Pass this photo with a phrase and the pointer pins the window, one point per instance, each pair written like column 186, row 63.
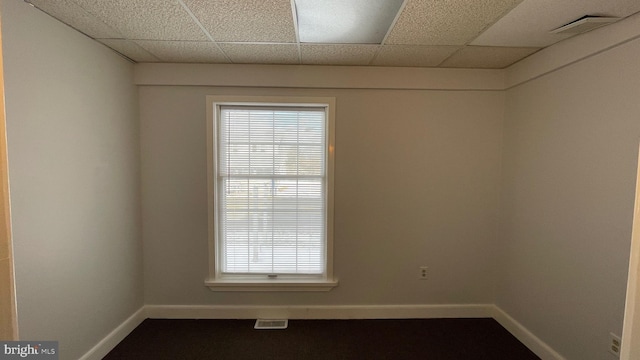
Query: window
column 270, row 193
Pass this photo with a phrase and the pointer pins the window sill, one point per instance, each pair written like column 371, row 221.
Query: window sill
column 235, row 285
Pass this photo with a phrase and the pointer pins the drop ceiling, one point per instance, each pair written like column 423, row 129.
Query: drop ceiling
column 418, row 33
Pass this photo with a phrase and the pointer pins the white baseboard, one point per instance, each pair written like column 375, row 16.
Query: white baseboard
column 110, row 341
column 534, row 343
column 319, row 312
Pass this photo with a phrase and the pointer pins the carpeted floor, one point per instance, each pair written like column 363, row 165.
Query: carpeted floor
column 429, row 339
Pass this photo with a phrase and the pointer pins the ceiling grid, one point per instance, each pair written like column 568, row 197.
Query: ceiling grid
column 483, row 34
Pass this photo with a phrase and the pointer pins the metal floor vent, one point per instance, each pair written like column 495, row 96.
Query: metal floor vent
column 262, row 324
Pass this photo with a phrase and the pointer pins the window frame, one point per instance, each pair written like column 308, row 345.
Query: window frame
column 216, row 281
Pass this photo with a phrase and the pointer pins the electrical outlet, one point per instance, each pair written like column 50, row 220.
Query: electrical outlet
column 424, row 272
column 614, row 344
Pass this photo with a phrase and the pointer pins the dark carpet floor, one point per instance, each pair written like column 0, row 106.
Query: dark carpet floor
column 430, row 339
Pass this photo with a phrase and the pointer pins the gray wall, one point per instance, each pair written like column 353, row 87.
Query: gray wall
column 416, row 183
column 73, row 144
column 570, row 156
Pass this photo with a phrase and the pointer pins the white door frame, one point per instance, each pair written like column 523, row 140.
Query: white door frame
column 9, row 322
column 631, row 329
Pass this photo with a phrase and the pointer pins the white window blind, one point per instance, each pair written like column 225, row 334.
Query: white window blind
column 271, row 190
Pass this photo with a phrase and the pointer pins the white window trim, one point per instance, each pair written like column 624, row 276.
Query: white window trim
column 214, row 281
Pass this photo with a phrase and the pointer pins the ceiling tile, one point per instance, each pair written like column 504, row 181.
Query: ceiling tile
column 129, row 49
column 529, row 23
column 146, row 19
column 345, row 22
column 331, row 54
column 410, row 55
column 446, row 22
column 73, row 15
column 487, row 57
column 262, row 31
column 261, row 53
column 247, row 20
column 185, row 51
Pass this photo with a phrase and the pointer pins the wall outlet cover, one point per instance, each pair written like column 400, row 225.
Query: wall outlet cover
column 614, row 344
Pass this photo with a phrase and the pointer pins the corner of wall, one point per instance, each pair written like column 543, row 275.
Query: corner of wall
column 572, row 50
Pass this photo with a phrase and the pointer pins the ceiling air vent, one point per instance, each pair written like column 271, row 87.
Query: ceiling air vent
column 584, row 24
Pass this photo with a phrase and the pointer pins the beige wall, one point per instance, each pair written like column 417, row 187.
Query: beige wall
column 74, row 170
column 570, row 154
column 416, row 183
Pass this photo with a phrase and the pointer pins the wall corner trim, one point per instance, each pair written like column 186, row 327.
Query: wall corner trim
column 534, row 343
column 102, row 348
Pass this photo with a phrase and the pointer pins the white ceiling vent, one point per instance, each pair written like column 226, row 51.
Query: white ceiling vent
column 584, row 24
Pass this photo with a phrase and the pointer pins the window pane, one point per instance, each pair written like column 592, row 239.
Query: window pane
column 272, row 203
column 286, row 159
